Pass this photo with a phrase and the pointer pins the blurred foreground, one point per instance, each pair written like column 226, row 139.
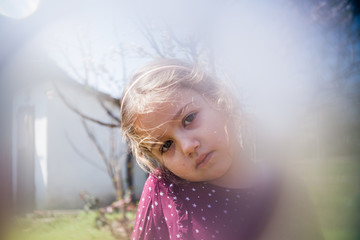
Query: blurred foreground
column 334, row 191
column 279, row 67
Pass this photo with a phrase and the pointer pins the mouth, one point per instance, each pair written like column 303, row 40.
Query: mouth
column 203, row 159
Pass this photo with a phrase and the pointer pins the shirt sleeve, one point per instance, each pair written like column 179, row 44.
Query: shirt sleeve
column 149, row 222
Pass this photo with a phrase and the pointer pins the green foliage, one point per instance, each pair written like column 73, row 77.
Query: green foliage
column 69, row 227
column 336, row 234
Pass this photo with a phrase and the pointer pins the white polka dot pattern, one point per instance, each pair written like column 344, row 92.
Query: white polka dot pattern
column 198, row 211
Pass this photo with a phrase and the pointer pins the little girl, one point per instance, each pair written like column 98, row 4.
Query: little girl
column 186, row 129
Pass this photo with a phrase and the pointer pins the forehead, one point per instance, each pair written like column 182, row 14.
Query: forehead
column 160, row 114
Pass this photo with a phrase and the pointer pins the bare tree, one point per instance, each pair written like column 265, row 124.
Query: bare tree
column 163, row 43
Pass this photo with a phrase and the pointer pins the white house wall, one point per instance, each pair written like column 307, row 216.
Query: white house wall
column 69, row 173
column 61, row 174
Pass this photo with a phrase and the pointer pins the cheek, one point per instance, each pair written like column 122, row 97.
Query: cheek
column 221, row 133
column 184, row 167
column 225, row 164
column 175, row 164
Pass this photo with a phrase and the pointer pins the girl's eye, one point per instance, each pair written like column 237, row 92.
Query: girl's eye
column 188, row 119
column 165, row 147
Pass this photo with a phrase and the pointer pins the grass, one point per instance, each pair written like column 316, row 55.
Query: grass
column 70, row 227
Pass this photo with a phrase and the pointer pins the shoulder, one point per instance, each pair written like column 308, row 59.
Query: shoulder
column 156, row 186
column 168, row 199
column 154, row 189
column 149, row 222
column 158, row 195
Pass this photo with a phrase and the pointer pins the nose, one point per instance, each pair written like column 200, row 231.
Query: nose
column 189, row 145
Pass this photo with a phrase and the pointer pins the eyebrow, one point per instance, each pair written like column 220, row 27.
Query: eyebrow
column 176, row 116
column 180, row 111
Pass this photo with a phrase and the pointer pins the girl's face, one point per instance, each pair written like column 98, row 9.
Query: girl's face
column 191, row 138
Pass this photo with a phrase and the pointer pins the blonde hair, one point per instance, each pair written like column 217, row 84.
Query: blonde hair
column 157, row 82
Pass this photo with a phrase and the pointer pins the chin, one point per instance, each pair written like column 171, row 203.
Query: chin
column 220, row 172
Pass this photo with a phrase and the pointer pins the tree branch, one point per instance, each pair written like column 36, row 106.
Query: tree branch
column 77, row 151
column 150, row 38
column 108, row 111
column 107, row 162
column 81, row 114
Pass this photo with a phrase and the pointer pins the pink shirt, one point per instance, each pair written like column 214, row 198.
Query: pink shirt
column 200, row 210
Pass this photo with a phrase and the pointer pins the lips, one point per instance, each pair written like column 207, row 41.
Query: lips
column 203, row 159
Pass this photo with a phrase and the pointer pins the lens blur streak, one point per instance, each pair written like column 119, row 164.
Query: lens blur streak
column 292, row 64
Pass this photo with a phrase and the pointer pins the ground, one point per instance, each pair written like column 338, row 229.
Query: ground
column 73, row 226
